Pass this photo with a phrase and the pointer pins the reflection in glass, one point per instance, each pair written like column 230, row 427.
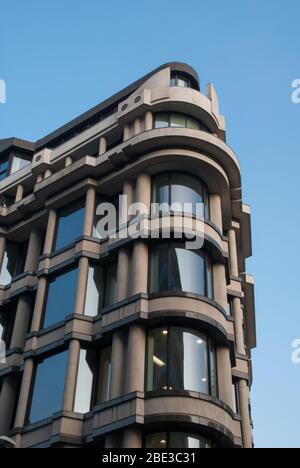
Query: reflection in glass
column 110, row 285
column 13, row 261
column 60, row 298
column 104, row 379
column 18, row 163
column 173, row 268
column 176, row 440
column 48, row 387
column 84, row 382
column 181, row 359
column 173, row 119
column 94, row 291
column 70, row 224
column 7, row 319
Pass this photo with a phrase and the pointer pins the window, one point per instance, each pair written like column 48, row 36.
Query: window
column 60, row 298
column 7, row 319
column 183, row 81
column 19, row 161
column 84, row 382
column 235, row 397
column 4, row 168
column 107, row 222
column 70, row 224
column 168, row 119
column 181, row 359
column 7, row 200
column 181, row 192
column 173, row 268
column 162, row 440
column 101, row 288
column 13, row 262
column 48, row 388
column 103, row 385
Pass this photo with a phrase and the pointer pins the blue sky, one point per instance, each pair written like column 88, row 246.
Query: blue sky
column 60, row 58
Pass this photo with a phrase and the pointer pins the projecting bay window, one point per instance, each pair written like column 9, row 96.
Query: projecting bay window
column 169, row 119
column 173, row 268
column 174, row 440
column 181, row 192
column 179, row 358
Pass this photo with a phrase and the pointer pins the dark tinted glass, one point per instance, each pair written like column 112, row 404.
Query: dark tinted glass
column 182, row 440
column 48, row 387
column 104, row 377
column 61, row 298
column 110, row 285
column 157, row 359
column 187, row 270
column 70, row 224
column 159, row 268
column 13, row 261
column 7, row 319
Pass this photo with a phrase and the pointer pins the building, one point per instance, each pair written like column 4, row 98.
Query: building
column 115, row 341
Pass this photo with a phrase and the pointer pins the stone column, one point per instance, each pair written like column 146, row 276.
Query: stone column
column 39, row 178
column 224, row 375
column 68, row 161
column 20, row 193
column 83, row 273
column 132, row 438
column 238, row 319
column 39, row 304
column 136, row 359
column 8, row 397
column 137, row 126
column 128, row 192
column 28, row 374
column 220, row 287
column 33, row 251
column 71, row 377
column 139, row 274
column 50, row 233
column 89, row 212
column 233, row 253
column 126, row 132
column 102, row 146
column 148, row 121
column 216, row 210
column 122, row 274
column 244, row 409
column 22, row 321
column 143, row 191
column 118, row 364
column 48, row 173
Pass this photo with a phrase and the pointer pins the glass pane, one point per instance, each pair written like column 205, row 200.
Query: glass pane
column 61, row 298
column 4, row 166
column 182, row 82
column 157, row 359
column 213, row 368
column 178, row 120
column 159, row 268
column 187, row 270
column 7, row 319
column 111, row 285
column 192, row 123
column 104, row 381
column 187, row 190
column 161, row 120
column 94, row 291
column 70, row 224
column 158, row 440
column 48, row 387
column 181, row 440
column 84, row 382
column 209, row 279
column 18, row 163
column 13, row 262
column 188, row 360
column 235, row 398
column 161, row 192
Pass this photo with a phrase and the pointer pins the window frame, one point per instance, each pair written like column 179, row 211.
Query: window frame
column 202, row 126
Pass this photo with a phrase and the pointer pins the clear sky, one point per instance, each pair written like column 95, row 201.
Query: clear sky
column 59, row 58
